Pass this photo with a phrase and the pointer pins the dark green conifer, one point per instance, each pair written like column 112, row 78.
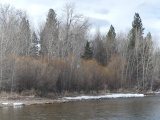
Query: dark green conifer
column 111, row 35
column 88, row 53
column 137, row 30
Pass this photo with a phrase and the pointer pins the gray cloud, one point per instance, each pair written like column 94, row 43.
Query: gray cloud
column 99, row 22
column 102, row 11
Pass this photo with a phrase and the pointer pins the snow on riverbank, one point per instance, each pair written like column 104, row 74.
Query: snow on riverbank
column 12, row 104
column 26, row 102
column 18, row 104
column 108, row 96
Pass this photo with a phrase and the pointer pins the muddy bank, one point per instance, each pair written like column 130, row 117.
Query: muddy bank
column 21, row 101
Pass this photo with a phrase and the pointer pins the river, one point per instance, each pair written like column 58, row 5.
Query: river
column 145, row 108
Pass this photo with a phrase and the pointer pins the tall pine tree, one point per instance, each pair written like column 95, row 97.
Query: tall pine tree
column 136, row 31
column 111, row 42
column 136, row 53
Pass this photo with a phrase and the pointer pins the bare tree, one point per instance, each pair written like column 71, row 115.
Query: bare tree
column 73, row 32
column 9, row 24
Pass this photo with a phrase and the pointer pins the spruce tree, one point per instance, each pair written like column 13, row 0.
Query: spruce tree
column 101, row 54
column 51, row 18
column 111, row 35
column 35, row 48
column 88, row 53
column 111, row 42
column 99, row 49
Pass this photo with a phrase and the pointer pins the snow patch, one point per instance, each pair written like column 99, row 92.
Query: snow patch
column 5, row 104
column 108, row 96
column 158, row 92
column 18, row 104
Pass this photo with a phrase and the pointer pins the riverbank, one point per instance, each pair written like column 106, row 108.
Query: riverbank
column 19, row 100
column 29, row 100
column 32, row 100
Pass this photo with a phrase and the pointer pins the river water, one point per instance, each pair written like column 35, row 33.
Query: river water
column 146, row 108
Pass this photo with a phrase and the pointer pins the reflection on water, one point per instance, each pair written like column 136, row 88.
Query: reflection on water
column 147, row 108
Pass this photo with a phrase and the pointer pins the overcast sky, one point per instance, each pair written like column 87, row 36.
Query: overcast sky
column 101, row 13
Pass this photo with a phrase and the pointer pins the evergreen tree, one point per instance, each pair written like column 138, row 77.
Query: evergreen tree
column 136, row 31
column 49, row 35
column 111, row 35
column 34, row 38
column 24, row 37
column 111, row 42
column 137, row 23
column 101, row 54
column 88, row 53
column 35, row 46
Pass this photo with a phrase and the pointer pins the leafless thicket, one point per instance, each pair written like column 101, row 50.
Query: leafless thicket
column 117, row 61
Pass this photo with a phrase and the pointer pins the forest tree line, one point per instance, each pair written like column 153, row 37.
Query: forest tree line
column 62, row 56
